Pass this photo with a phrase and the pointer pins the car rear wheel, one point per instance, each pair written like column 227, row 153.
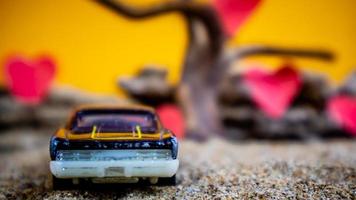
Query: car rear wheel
column 167, row 181
column 61, row 184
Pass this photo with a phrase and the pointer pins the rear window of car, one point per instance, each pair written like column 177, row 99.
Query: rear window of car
column 109, row 121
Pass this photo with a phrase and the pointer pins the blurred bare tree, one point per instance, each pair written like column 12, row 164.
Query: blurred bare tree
column 207, row 59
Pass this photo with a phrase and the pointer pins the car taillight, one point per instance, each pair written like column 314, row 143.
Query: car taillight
column 113, row 155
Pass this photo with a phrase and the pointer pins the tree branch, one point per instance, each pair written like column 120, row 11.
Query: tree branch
column 237, row 53
column 240, row 52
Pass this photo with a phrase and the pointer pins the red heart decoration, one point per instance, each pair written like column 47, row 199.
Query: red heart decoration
column 273, row 92
column 342, row 109
column 172, row 118
column 233, row 13
column 29, row 80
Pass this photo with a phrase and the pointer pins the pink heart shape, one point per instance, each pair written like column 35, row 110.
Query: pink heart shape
column 273, row 92
column 342, row 109
column 233, row 13
column 29, row 80
column 172, row 119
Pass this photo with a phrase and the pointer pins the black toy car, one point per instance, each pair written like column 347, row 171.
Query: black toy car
column 105, row 144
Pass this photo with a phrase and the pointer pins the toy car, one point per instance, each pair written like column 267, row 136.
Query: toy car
column 104, row 144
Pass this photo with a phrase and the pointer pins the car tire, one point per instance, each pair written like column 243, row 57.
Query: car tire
column 61, row 184
column 167, row 181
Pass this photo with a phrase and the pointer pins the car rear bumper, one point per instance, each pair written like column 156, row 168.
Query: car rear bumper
column 91, row 169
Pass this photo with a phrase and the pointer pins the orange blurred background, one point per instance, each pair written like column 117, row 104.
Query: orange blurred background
column 93, row 46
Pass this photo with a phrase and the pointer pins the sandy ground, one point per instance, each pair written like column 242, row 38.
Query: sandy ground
column 215, row 169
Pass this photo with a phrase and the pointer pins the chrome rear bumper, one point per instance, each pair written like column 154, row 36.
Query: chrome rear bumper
column 92, row 169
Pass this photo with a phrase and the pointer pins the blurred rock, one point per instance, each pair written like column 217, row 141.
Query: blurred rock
column 12, row 113
column 297, row 123
column 53, row 112
column 315, row 91
column 233, row 91
column 68, row 96
column 305, row 120
column 150, row 86
column 349, row 87
column 238, row 121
